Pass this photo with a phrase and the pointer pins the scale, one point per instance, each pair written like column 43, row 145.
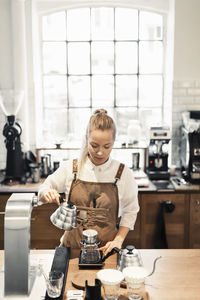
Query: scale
column 91, row 260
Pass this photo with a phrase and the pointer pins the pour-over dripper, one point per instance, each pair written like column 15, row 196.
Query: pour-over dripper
column 11, row 101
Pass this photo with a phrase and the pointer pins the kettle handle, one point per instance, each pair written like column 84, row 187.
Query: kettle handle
column 61, row 200
column 71, row 204
column 114, row 250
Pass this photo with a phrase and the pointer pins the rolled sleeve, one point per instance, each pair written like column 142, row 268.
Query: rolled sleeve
column 56, row 181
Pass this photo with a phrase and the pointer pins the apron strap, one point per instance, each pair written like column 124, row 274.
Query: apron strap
column 75, row 168
column 119, row 173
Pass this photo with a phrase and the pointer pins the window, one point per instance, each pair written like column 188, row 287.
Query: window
column 101, row 57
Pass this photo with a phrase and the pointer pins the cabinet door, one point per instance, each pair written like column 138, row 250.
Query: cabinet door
column 133, row 237
column 44, row 235
column 176, row 222
column 195, row 220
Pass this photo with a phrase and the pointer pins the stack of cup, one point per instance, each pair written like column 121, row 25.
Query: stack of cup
column 110, row 279
column 135, row 279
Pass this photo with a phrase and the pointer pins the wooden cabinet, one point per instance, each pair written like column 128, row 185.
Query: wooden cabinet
column 182, row 225
column 44, row 235
column 176, row 222
column 134, row 236
column 194, row 228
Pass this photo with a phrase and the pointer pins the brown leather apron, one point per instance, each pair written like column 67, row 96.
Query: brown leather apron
column 97, row 208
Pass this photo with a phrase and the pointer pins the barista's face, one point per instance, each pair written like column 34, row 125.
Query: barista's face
column 100, row 143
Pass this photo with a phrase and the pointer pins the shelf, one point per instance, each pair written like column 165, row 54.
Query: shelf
column 75, row 147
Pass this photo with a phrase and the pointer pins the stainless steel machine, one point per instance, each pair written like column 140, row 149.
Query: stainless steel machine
column 18, row 278
column 158, row 153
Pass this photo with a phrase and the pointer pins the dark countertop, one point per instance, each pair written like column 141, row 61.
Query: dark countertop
column 29, row 187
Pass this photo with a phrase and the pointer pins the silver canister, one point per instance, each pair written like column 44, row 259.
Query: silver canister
column 35, row 172
column 65, row 216
column 135, row 160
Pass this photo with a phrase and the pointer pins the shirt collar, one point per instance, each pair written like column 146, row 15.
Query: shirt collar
column 102, row 167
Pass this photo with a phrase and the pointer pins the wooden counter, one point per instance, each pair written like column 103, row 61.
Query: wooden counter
column 176, row 277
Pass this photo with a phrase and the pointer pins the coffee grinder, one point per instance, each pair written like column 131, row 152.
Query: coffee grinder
column 14, row 163
column 158, row 153
column 10, row 102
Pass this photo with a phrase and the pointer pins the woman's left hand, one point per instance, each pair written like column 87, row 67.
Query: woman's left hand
column 109, row 246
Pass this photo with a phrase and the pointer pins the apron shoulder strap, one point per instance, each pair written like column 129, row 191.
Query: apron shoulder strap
column 75, row 168
column 119, row 173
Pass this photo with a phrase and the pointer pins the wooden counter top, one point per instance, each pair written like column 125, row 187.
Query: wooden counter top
column 176, row 277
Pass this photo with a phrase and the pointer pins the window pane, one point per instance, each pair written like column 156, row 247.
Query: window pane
column 151, row 57
column 122, row 117
column 79, row 91
column 102, row 21
column 55, row 91
column 103, row 90
column 55, row 125
column 126, row 57
column 78, row 58
column 151, row 117
column 78, row 24
column 78, row 121
column 54, row 27
column 126, row 90
column 102, row 57
column 126, row 24
column 54, row 57
column 151, row 26
column 150, row 91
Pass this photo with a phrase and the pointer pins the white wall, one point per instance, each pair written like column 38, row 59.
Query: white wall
column 187, row 41
column 6, row 80
column 186, row 91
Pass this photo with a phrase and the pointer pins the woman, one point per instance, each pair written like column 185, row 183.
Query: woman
column 101, row 188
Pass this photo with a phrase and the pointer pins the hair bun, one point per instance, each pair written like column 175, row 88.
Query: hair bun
column 100, row 111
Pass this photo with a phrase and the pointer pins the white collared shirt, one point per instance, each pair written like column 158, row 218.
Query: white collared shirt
column 127, row 187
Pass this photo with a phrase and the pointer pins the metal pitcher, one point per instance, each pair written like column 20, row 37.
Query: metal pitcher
column 65, row 215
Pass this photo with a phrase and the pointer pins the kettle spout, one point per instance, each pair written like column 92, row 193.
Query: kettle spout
column 154, row 265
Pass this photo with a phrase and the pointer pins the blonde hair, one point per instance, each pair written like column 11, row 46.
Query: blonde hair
column 99, row 120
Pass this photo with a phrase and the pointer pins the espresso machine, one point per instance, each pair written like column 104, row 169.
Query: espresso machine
column 158, row 153
column 190, row 146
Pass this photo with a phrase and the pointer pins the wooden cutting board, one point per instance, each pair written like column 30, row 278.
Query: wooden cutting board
column 78, row 279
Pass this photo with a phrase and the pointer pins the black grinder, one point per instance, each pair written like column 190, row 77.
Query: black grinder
column 14, row 163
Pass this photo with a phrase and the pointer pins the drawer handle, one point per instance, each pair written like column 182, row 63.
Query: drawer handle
column 2, row 212
column 197, row 202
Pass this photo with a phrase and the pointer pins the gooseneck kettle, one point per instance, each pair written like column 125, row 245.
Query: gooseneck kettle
column 65, row 215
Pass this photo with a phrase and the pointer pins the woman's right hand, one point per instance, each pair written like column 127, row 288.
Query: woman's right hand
column 51, row 197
